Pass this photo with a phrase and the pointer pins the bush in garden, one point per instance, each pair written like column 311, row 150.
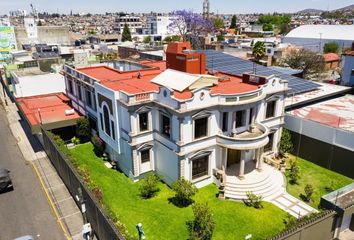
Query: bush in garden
column 149, row 186
column 308, row 192
column 203, row 224
column 83, row 129
column 253, row 200
column 75, row 140
column 98, row 145
column 184, row 191
column 294, row 172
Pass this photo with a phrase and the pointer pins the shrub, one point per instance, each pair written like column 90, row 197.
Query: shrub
column 148, row 187
column 184, row 191
column 83, row 129
column 285, row 144
column 98, row 145
column 253, row 200
column 308, row 192
column 294, row 172
column 98, row 194
column 75, row 140
column 202, row 226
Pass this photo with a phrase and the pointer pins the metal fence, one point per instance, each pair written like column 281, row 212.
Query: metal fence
column 102, row 226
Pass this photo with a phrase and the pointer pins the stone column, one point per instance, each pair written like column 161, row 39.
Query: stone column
column 234, row 132
column 242, row 167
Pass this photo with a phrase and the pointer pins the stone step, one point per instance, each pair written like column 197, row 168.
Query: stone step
column 256, row 185
column 267, row 193
column 245, row 183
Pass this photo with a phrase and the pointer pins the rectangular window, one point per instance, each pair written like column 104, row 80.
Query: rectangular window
column 101, row 118
column 239, row 119
column 269, row 146
column 251, row 115
column 113, row 132
column 79, row 93
column 165, row 125
column 88, row 98
column 200, row 167
column 70, row 86
column 143, row 121
column 145, row 156
column 200, row 127
column 270, row 109
column 225, row 121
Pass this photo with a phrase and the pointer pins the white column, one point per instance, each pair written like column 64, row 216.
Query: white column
column 260, row 159
column 234, row 132
column 242, row 166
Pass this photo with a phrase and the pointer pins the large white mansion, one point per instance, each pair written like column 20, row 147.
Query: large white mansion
column 177, row 119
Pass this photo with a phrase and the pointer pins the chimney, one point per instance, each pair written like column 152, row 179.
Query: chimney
column 181, row 57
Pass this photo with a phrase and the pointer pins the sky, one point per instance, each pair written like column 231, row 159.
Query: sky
column 220, row 6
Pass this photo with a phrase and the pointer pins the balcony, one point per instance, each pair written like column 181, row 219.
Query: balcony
column 254, row 137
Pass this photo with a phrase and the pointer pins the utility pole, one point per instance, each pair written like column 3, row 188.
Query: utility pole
column 320, row 50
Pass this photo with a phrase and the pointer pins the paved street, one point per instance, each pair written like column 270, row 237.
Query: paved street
column 26, row 209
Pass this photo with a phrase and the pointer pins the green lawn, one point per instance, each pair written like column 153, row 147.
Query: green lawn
column 320, row 178
column 162, row 220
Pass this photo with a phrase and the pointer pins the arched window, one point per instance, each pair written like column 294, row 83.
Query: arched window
column 106, row 120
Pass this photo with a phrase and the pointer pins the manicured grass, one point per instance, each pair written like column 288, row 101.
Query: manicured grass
column 320, row 178
column 163, row 220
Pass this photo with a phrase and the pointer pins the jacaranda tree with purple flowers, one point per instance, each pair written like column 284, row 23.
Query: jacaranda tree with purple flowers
column 190, row 26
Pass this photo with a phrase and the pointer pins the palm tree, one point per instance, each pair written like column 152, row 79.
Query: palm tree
column 258, row 53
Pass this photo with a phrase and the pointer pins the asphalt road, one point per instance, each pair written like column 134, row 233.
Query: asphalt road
column 25, row 210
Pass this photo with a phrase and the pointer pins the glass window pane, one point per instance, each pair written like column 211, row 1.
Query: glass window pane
column 200, row 127
column 200, row 167
column 145, row 156
column 143, row 121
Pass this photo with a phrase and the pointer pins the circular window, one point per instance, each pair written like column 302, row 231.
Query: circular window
column 202, row 95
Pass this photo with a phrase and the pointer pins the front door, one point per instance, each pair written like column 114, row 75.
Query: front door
column 233, row 156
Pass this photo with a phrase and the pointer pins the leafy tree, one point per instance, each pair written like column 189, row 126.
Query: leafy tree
column 294, row 172
column 98, row 145
column 190, row 25
column 184, row 191
column 274, row 19
column 331, row 47
column 258, row 50
column 284, row 28
column 267, row 27
column 147, row 39
column 176, row 38
column 285, row 144
column 167, row 39
column 203, row 224
column 126, row 35
column 83, row 129
column 218, row 23
column 308, row 192
column 149, row 187
column 233, row 22
column 309, row 62
column 220, row 37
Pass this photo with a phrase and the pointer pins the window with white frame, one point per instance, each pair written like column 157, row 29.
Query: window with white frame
column 240, row 116
column 79, row 93
column 200, row 167
column 201, row 127
column 225, row 122
column 145, row 155
column 107, row 127
column 271, row 108
column 143, row 121
column 165, row 126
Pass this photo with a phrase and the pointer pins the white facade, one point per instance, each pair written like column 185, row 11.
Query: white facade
column 134, row 23
column 191, row 138
column 347, row 70
column 159, row 25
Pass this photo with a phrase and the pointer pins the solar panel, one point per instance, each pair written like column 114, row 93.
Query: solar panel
column 218, row 61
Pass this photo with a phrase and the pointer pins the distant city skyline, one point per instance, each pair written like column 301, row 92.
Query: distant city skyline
column 143, row 6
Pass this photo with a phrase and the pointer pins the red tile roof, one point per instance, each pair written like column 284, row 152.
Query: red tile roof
column 130, row 83
column 52, row 108
column 331, row 57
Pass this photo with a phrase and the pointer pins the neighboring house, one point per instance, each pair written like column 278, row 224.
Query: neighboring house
column 180, row 121
column 331, row 60
column 32, row 81
column 348, row 69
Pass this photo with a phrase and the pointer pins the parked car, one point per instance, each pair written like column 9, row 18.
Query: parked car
column 5, row 180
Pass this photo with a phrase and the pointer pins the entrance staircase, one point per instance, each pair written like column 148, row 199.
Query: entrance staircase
column 268, row 183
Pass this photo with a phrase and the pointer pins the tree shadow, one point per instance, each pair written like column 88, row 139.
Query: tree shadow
column 180, row 203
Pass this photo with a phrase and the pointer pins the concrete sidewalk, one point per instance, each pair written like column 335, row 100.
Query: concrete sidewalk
column 68, row 214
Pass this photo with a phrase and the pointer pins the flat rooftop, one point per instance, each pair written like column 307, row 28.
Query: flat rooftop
column 324, row 91
column 25, row 72
column 48, row 109
column 343, row 197
column 336, row 113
